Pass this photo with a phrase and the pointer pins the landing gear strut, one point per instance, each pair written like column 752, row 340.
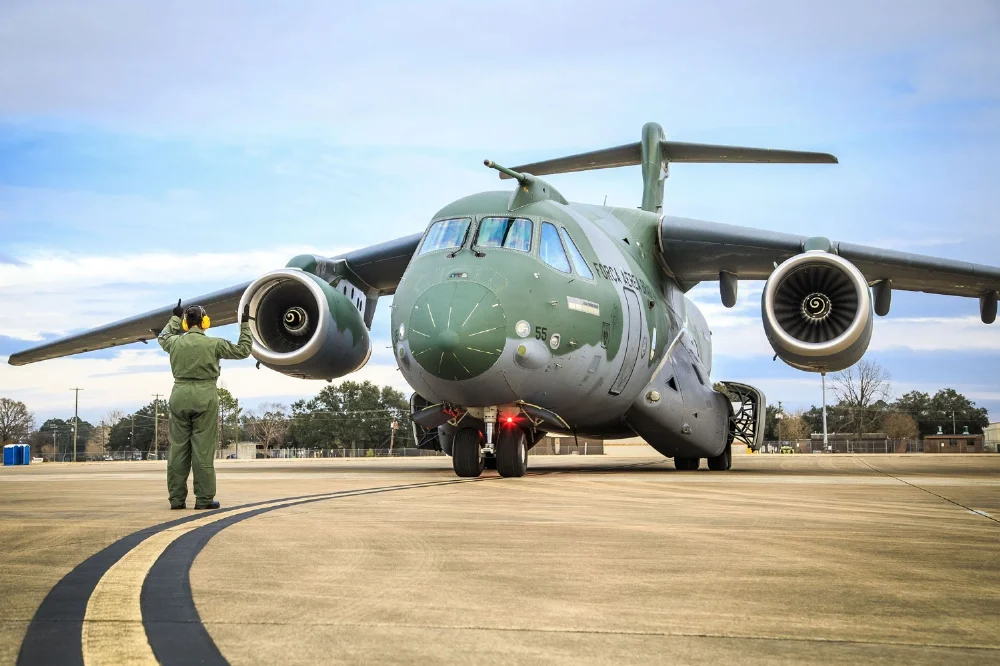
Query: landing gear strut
column 467, row 453
column 512, row 452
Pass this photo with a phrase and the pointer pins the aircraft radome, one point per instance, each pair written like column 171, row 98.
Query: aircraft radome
column 520, row 313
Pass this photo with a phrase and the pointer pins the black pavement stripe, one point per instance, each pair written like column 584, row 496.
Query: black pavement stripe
column 173, row 626
column 55, row 633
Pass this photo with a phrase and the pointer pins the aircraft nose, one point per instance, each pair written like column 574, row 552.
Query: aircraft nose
column 457, row 330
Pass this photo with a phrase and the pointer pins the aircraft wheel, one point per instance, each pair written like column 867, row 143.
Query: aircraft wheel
column 512, row 452
column 723, row 461
column 687, row 464
column 467, row 453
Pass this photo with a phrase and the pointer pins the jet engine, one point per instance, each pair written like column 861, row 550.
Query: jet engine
column 817, row 311
column 303, row 327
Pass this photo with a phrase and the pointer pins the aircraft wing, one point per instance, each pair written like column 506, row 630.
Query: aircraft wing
column 380, row 266
column 695, row 251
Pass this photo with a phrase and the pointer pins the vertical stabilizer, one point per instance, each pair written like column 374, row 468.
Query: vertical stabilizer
column 654, row 168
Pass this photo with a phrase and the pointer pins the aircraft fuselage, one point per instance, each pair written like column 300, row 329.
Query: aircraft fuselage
column 478, row 326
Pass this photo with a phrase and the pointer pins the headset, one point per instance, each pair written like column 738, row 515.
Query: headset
column 193, row 312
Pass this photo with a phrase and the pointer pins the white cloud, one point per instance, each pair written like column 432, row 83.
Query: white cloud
column 56, row 291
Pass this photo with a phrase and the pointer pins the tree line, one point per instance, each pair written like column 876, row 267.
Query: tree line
column 863, row 404
column 359, row 415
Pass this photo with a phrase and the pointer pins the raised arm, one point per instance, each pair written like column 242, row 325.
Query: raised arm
column 169, row 334
column 240, row 350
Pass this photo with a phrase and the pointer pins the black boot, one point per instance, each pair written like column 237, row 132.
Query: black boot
column 182, row 505
column 214, row 504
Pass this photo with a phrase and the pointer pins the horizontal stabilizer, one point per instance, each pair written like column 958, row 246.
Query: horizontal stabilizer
column 673, row 151
column 627, row 155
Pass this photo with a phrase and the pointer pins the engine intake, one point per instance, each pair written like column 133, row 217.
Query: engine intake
column 303, row 327
column 817, row 312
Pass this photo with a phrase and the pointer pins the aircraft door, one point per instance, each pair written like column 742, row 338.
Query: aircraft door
column 633, row 332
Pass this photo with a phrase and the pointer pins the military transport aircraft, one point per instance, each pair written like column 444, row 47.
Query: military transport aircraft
column 520, row 313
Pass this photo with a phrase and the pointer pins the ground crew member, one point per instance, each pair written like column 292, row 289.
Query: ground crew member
column 194, row 401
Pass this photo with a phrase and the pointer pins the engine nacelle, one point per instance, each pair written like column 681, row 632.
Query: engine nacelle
column 817, row 311
column 303, row 327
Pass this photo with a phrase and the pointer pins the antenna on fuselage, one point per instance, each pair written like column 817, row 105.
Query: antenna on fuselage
column 519, row 177
column 531, row 189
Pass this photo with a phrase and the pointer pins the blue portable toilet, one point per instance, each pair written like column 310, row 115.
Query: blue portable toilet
column 25, row 454
column 8, row 455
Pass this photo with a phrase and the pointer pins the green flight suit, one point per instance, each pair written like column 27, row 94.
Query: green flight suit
column 194, row 405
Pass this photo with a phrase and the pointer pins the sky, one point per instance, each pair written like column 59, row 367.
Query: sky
column 157, row 150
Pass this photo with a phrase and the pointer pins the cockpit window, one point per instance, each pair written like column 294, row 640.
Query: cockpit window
column 574, row 254
column 513, row 233
column 551, row 250
column 445, row 234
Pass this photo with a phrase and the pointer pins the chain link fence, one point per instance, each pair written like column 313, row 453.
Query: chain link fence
column 844, row 446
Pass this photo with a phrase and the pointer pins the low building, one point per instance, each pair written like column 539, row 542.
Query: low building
column 953, row 443
column 991, row 438
column 241, row 451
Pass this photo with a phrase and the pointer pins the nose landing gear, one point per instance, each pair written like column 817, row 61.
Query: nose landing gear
column 467, row 453
column 469, row 456
column 512, row 452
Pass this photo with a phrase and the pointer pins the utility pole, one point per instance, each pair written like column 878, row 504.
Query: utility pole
column 954, row 431
column 76, row 419
column 55, row 446
column 826, row 442
column 132, row 436
column 156, row 424
column 236, row 424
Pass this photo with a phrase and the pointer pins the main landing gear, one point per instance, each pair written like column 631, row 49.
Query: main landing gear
column 510, row 458
column 719, row 463
column 723, row 461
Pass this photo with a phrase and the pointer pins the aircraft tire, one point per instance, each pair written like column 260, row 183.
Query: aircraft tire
column 687, row 464
column 723, row 461
column 467, row 453
column 512, row 452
